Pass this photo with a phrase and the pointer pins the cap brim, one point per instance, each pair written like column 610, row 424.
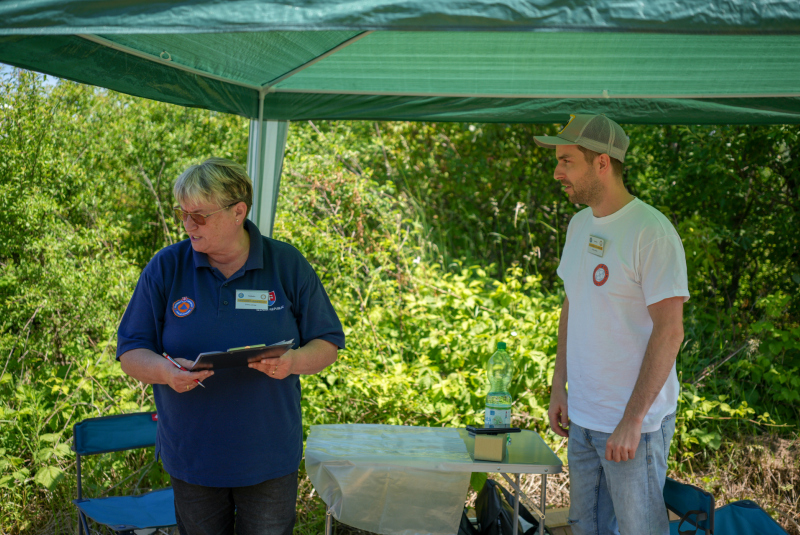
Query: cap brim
column 550, row 142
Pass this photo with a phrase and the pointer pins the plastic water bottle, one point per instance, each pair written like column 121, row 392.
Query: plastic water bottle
column 498, row 401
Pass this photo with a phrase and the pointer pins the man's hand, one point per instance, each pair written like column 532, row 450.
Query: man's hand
column 559, row 418
column 276, row 363
column 623, row 442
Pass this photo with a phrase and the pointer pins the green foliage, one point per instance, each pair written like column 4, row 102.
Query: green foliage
column 411, row 326
column 477, row 480
column 732, row 191
column 484, row 193
column 80, row 177
column 486, row 196
column 434, row 242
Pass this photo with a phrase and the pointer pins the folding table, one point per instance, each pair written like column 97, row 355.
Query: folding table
column 527, row 453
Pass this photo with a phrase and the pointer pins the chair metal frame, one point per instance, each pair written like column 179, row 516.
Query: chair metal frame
column 141, row 440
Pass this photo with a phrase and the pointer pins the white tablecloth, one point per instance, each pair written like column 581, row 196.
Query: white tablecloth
column 392, row 480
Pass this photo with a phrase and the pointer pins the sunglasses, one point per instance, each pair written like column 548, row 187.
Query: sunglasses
column 200, row 219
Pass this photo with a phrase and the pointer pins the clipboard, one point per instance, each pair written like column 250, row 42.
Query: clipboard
column 235, row 357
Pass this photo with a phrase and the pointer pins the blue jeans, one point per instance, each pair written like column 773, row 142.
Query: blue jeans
column 267, row 508
column 625, row 497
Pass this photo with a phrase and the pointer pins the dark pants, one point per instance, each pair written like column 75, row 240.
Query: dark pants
column 267, row 508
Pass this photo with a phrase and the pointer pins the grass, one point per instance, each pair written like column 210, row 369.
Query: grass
column 765, row 469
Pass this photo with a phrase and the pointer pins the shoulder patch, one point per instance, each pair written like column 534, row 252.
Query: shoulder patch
column 183, row 307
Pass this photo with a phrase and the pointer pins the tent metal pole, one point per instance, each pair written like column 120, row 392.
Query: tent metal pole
column 266, row 148
column 272, row 163
column 254, row 157
column 264, row 165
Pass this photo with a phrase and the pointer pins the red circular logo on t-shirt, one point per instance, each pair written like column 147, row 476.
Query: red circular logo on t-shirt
column 600, row 275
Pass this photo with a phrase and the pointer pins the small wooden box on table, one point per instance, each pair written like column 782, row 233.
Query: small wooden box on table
column 526, row 454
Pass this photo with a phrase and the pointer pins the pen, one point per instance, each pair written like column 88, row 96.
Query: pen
column 181, row 367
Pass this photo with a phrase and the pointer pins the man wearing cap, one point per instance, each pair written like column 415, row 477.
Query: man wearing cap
column 624, row 273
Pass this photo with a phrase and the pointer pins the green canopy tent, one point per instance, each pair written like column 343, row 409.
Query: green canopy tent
column 655, row 61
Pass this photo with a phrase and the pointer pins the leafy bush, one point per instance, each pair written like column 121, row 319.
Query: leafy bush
column 81, row 181
column 411, row 325
column 434, row 242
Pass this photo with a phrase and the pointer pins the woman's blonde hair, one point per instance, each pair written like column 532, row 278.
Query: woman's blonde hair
column 218, row 180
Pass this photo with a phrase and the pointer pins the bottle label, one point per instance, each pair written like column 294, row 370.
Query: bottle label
column 494, row 418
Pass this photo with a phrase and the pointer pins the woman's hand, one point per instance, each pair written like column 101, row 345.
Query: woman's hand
column 153, row 369
column 312, row 358
column 183, row 381
column 276, row 363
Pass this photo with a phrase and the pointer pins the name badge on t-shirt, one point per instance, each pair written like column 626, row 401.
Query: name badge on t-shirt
column 596, row 245
column 255, row 299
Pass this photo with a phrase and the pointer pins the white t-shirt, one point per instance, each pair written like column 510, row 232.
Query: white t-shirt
column 609, row 325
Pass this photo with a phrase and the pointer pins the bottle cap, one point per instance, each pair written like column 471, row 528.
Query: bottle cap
column 501, row 345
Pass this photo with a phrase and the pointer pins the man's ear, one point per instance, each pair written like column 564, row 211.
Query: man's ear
column 603, row 164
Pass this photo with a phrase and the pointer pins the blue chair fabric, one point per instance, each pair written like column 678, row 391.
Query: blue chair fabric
column 115, row 433
column 745, row 517
column 152, row 510
column 694, row 505
column 93, row 436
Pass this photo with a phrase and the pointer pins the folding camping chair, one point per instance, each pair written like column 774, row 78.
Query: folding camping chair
column 696, row 509
column 745, row 516
column 693, row 505
column 124, row 514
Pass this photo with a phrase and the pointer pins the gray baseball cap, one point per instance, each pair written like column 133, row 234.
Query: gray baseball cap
column 593, row 132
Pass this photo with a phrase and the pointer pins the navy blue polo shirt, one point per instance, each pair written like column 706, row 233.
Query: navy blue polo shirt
column 244, row 427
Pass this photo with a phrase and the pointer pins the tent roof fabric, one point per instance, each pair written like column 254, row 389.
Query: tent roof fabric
column 60, row 17
column 665, row 61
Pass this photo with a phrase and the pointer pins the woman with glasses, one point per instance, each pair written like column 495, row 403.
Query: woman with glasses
column 233, row 446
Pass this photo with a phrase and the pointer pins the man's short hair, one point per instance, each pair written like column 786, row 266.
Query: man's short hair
column 590, row 155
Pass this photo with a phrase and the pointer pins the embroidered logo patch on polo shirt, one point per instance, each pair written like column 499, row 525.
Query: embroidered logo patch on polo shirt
column 183, row 307
column 600, row 275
